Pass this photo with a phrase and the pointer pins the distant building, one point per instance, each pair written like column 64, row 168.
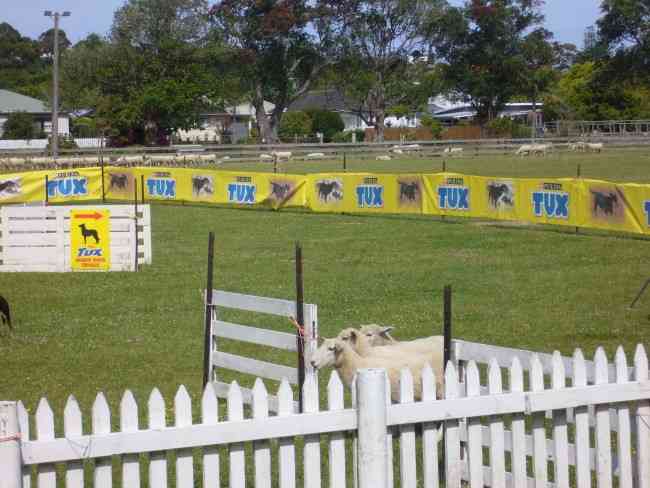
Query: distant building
column 11, row 102
column 232, row 125
column 332, row 100
column 450, row 113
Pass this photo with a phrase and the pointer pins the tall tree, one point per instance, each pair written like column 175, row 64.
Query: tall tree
column 624, row 29
column 277, row 49
column 46, row 43
column 21, row 67
column 379, row 70
column 483, row 45
column 154, row 75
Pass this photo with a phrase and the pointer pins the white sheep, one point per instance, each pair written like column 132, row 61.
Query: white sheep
column 595, row 146
column 316, row 155
column 524, row 150
column 384, row 157
column 396, row 150
column 368, row 342
column 453, row 151
column 282, row 155
column 266, row 157
column 347, row 361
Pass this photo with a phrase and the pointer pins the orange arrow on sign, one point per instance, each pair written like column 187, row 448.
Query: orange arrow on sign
column 95, row 215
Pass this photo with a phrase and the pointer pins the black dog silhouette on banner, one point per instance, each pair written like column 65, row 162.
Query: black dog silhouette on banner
column 86, row 233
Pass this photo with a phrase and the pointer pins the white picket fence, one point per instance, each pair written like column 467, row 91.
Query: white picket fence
column 521, row 446
column 220, row 359
column 38, row 238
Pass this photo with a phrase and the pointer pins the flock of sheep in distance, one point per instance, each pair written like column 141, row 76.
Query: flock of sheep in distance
column 372, row 346
column 275, row 156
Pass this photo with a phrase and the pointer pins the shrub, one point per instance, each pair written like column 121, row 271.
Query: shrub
column 506, row 127
column 294, row 124
column 347, row 136
column 325, row 122
column 433, row 125
column 19, row 125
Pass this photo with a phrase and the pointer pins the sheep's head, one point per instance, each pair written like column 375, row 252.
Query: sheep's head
column 378, row 335
column 325, row 355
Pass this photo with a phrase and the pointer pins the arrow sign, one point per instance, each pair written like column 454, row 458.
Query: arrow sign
column 95, row 215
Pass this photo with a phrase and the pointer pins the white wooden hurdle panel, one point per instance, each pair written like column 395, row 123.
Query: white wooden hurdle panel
column 255, row 335
column 37, row 239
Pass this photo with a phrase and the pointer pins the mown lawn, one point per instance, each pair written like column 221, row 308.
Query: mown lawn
column 531, row 288
column 614, row 164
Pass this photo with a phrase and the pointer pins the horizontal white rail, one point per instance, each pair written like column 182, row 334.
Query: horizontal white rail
column 254, row 335
column 254, row 367
column 251, row 303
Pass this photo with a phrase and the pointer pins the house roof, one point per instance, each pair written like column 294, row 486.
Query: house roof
column 330, row 99
column 15, row 102
column 467, row 111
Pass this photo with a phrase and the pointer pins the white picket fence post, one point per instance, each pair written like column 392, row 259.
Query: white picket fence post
column 10, row 461
column 371, row 423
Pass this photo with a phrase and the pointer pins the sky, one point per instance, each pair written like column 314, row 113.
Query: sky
column 567, row 19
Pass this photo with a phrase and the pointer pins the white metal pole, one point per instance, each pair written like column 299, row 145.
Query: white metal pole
column 371, row 422
column 10, row 460
column 55, row 90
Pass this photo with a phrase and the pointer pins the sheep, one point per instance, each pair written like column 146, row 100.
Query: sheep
column 540, row 149
column 524, row 150
column 316, row 155
column 365, row 342
column 451, row 151
column 384, row 157
column 595, row 147
column 347, row 361
column 280, row 155
column 266, row 157
column 396, row 150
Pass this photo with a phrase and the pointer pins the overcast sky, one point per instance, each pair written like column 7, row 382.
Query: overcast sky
column 567, row 19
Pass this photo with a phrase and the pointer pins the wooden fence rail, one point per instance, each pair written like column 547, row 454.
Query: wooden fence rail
column 496, row 421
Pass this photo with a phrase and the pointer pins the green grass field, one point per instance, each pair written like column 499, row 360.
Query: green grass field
column 625, row 165
column 523, row 287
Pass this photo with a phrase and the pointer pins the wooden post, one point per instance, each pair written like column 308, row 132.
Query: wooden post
column 578, row 174
column 371, row 424
column 141, row 187
column 447, row 325
column 47, row 190
column 345, row 162
column 207, row 337
column 135, row 218
column 300, row 312
column 101, row 162
column 10, row 459
column 444, row 166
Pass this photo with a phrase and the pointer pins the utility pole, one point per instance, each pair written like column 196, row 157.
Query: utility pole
column 55, row 81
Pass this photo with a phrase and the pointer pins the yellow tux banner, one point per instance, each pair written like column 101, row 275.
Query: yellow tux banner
column 200, row 185
column 364, row 192
column 557, row 201
column 90, row 240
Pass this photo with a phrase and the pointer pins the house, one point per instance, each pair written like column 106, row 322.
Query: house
column 331, row 100
column 233, row 124
column 11, row 102
column 452, row 113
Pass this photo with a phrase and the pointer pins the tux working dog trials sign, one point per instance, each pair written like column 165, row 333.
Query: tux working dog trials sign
column 90, row 240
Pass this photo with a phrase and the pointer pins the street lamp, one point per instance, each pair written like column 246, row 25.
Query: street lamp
column 55, row 81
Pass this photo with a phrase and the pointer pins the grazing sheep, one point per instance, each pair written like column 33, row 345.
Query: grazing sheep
column 266, row 157
column 453, row 151
column 524, row 150
column 282, row 155
column 316, row 155
column 396, row 150
column 347, row 361
column 595, row 147
column 384, row 157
